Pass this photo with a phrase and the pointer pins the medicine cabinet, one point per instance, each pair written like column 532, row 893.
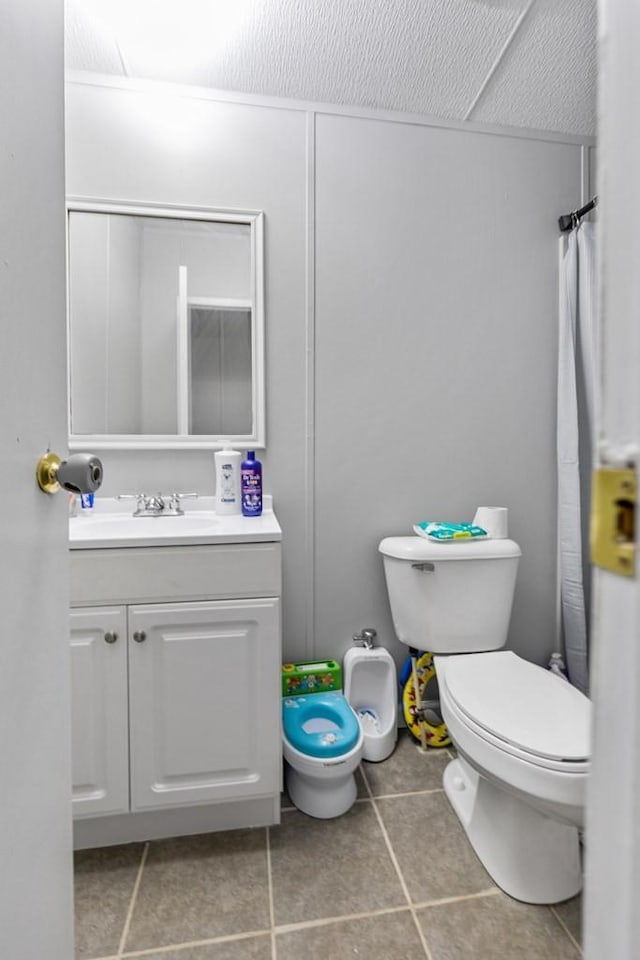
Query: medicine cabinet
column 165, row 326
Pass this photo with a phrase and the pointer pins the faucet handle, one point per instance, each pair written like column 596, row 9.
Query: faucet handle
column 365, row 638
column 175, row 498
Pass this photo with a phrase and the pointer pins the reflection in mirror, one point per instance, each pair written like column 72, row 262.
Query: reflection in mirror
column 165, row 327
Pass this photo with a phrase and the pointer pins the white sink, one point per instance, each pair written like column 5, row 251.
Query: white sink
column 107, row 526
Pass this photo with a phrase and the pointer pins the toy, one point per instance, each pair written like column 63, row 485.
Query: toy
column 316, row 676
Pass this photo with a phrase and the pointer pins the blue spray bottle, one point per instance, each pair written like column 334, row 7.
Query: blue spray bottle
column 251, row 479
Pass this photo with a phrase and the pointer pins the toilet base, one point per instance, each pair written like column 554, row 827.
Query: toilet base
column 530, row 856
column 320, row 798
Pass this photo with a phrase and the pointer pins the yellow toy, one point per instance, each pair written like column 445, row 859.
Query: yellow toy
column 428, row 734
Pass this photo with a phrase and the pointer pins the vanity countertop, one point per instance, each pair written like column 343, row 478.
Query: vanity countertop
column 107, row 525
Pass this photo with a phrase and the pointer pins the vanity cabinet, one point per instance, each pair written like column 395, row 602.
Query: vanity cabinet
column 176, row 705
column 203, row 719
column 99, row 721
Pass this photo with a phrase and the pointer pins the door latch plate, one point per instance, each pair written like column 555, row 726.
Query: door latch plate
column 613, row 507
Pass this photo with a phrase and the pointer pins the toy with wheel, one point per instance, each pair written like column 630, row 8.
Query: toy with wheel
column 423, row 722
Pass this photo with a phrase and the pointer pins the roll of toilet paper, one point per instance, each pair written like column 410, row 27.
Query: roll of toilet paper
column 81, row 473
column 495, row 520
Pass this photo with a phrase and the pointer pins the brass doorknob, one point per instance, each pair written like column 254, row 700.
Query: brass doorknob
column 81, row 473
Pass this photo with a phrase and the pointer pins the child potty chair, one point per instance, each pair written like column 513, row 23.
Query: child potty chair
column 322, row 744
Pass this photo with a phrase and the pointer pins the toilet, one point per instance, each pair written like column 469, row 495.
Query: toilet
column 322, row 745
column 521, row 733
column 371, row 687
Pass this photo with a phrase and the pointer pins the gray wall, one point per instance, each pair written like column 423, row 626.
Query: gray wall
column 411, row 301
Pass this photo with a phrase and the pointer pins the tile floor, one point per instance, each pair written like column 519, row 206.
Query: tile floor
column 393, row 879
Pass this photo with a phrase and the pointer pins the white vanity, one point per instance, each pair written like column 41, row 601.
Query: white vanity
column 176, row 653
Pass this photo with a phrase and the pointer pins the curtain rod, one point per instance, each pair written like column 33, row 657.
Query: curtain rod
column 570, row 220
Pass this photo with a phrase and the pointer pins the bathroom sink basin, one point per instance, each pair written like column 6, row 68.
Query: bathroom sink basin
column 107, row 526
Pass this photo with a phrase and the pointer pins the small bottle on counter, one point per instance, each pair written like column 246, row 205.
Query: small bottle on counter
column 251, row 473
column 227, row 481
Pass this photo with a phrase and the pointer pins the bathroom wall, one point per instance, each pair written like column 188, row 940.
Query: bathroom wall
column 411, row 300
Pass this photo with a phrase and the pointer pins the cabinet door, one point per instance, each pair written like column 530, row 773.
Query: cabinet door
column 205, row 702
column 99, row 721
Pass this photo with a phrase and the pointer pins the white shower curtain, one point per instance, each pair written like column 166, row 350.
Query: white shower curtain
column 578, row 405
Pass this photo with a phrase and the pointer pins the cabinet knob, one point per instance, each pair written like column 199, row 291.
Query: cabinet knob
column 110, row 636
column 139, row 636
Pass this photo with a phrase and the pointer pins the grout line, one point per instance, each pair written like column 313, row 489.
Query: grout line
column 489, row 892
column 571, row 937
column 409, row 793
column 272, row 914
column 231, row 938
column 383, row 796
column 396, row 865
column 132, row 902
column 326, row 921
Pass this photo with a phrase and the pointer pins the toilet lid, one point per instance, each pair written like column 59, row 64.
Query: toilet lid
column 521, row 703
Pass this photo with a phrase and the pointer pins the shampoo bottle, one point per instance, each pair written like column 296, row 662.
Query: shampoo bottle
column 251, row 486
column 227, row 481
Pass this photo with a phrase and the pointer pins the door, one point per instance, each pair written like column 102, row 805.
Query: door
column 612, row 918
column 204, row 702
column 99, row 711
column 35, row 808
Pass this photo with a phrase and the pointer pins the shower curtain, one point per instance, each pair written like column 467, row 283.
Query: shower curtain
column 577, row 429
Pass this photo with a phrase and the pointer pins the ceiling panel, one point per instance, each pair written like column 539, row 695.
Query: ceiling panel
column 86, row 45
column 425, row 56
column 420, row 56
column 547, row 79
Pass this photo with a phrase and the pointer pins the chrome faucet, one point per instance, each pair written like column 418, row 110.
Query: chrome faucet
column 158, row 504
column 365, row 638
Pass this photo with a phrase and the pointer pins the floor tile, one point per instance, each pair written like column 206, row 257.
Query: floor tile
column 328, row 868
column 570, row 912
column 432, row 849
column 494, row 928
column 196, row 888
column 104, row 882
column 249, row 948
column 392, row 935
column 408, row 768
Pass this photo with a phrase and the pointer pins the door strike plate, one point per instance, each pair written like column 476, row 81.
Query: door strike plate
column 613, row 514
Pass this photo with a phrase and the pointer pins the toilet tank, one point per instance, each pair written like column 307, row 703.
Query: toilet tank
column 450, row 597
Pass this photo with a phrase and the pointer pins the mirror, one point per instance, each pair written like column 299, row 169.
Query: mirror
column 166, row 326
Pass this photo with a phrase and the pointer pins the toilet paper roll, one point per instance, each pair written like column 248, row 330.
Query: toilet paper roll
column 495, row 520
column 81, row 473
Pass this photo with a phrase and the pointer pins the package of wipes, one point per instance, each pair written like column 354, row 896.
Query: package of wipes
column 438, row 530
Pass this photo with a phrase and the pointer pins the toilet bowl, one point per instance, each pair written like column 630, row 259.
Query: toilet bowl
column 521, row 733
column 322, row 745
column 370, row 686
column 518, row 783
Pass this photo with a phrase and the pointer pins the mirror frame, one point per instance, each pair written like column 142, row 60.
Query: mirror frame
column 255, row 220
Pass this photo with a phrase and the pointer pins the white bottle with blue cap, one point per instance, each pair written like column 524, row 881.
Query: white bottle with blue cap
column 227, row 481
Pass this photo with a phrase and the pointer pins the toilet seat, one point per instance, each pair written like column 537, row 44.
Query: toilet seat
column 520, row 708
column 321, row 725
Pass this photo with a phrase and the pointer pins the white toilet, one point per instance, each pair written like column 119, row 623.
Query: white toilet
column 322, row 745
column 521, row 733
column 371, row 687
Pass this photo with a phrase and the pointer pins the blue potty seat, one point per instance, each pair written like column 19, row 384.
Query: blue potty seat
column 320, row 725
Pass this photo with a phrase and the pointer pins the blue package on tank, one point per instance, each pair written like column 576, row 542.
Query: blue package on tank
column 439, row 530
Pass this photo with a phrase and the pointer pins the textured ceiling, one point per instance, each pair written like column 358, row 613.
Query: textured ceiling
column 527, row 63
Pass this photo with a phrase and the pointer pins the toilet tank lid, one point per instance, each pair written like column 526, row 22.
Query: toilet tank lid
column 419, row 549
